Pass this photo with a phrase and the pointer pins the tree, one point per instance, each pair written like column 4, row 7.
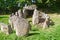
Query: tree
column 8, row 5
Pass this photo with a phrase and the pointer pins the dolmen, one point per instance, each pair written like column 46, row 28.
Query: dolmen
column 28, row 8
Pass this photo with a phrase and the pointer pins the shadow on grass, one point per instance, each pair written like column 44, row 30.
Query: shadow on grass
column 52, row 23
column 3, row 17
column 31, row 34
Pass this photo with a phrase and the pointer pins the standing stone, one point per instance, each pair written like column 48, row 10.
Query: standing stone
column 24, row 13
column 5, row 28
column 21, row 25
column 11, row 21
column 35, row 18
column 16, row 13
column 12, row 18
column 20, row 13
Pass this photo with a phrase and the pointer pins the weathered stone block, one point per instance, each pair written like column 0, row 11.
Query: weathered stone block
column 5, row 28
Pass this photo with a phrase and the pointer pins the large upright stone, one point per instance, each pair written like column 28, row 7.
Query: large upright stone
column 35, row 18
column 21, row 25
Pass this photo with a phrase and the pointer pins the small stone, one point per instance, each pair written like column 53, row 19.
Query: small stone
column 5, row 28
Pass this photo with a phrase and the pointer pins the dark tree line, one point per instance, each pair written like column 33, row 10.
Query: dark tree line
column 9, row 6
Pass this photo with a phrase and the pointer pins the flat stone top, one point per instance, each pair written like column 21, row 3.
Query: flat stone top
column 30, row 7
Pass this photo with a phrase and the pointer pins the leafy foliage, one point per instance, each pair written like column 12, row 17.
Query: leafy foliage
column 9, row 6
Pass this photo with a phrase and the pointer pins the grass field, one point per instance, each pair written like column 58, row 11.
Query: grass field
column 51, row 33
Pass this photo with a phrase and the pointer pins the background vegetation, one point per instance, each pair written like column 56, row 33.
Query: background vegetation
column 9, row 6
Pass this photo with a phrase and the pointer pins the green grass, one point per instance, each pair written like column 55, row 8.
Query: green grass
column 51, row 33
column 4, row 18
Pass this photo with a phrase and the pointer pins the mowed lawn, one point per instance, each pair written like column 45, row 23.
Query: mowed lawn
column 51, row 33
